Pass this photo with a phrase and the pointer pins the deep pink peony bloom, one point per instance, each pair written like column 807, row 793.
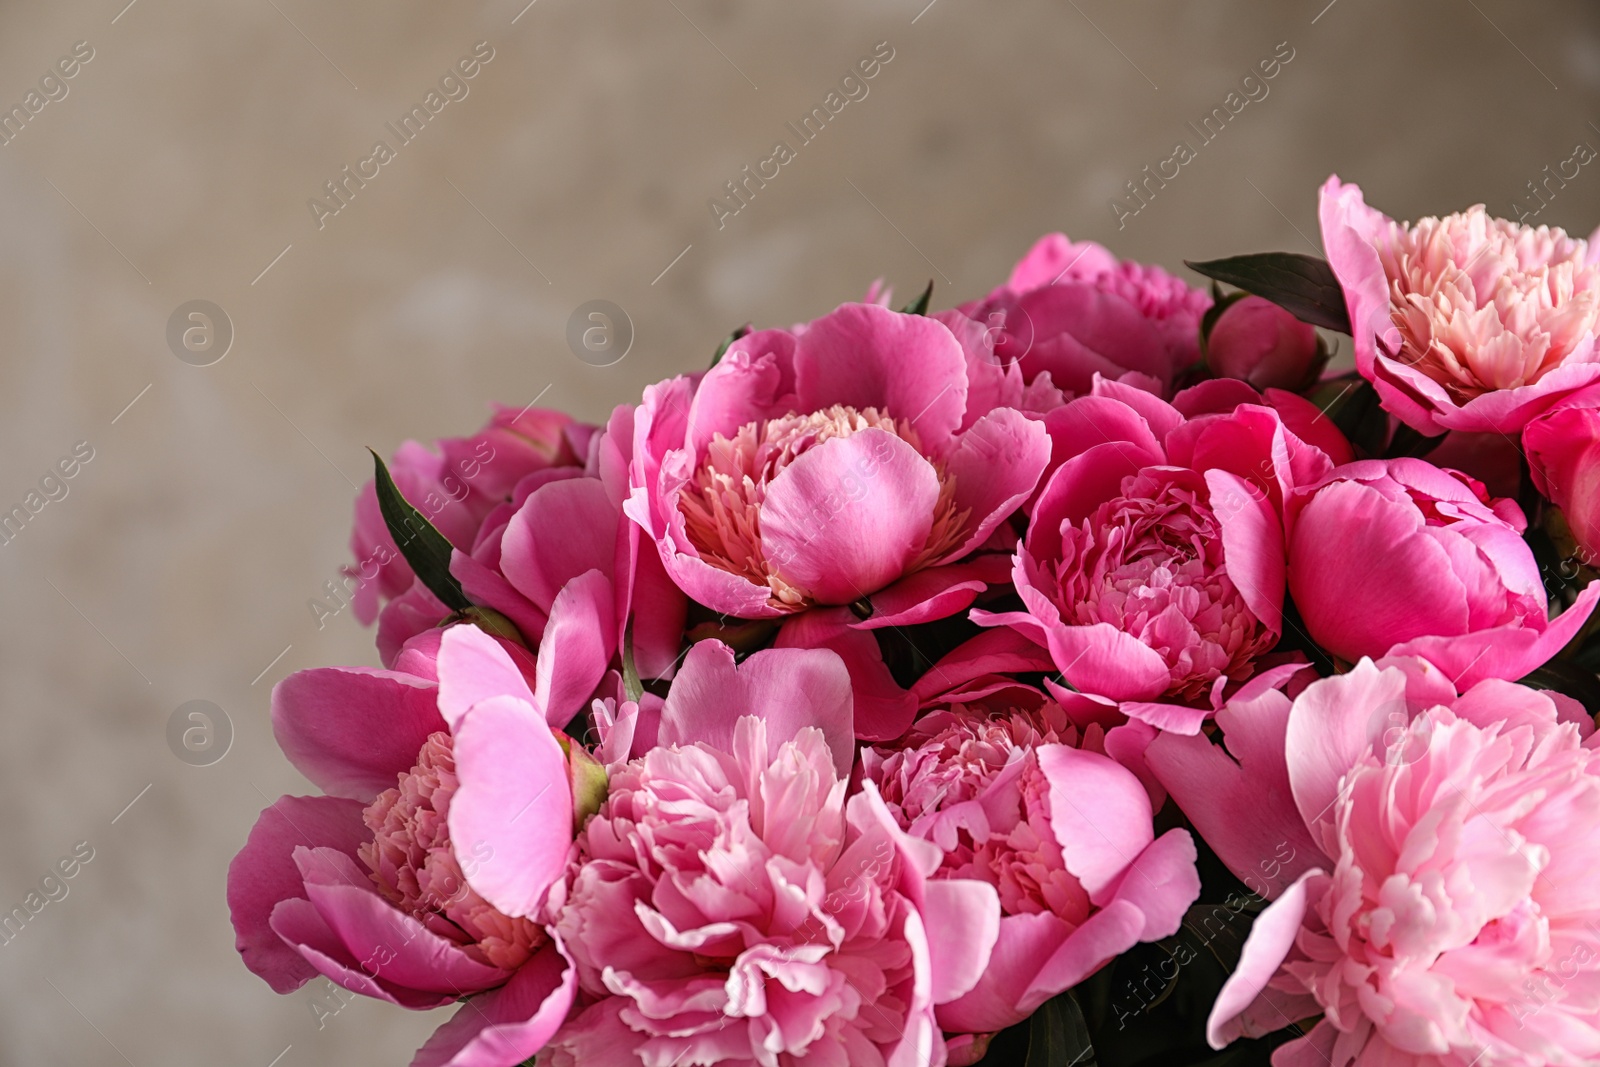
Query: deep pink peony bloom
column 1153, row 569
column 423, row 876
column 1438, row 906
column 729, row 906
column 757, row 479
column 1073, row 310
column 1256, row 341
column 1468, row 322
column 1444, row 572
column 455, row 488
column 1022, row 800
column 1563, row 450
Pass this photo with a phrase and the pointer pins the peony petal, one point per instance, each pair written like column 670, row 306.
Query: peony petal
column 817, row 507
column 1252, row 545
column 865, row 356
column 787, row 688
column 515, row 797
column 1101, row 815
column 1105, row 661
column 577, row 647
column 996, row 466
column 1271, row 937
column 1508, row 652
column 963, row 920
column 1162, row 883
column 1332, row 725
column 474, row 667
column 353, row 730
column 264, row 873
column 1107, row 933
column 508, row 1025
column 388, row 944
column 883, row 711
column 935, row 593
column 562, row 530
column 300, row 924
column 1023, row 945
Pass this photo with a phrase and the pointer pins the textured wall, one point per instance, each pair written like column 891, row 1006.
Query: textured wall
column 179, row 164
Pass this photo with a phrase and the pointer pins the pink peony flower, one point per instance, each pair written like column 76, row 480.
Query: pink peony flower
column 1563, row 450
column 1256, row 341
column 1444, row 572
column 1439, row 907
column 756, row 480
column 1073, row 310
column 730, row 906
column 455, row 489
column 423, row 876
column 1022, row 801
column 1153, row 569
column 1467, row 322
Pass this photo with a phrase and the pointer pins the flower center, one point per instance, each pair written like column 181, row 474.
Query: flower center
column 416, row 867
column 721, row 505
column 1150, row 563
column 1483, row 303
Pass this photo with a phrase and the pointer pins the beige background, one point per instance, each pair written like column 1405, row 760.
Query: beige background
column 182, row 561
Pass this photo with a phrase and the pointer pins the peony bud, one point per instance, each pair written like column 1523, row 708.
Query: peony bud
column 1563, row 450
column 1257, row 341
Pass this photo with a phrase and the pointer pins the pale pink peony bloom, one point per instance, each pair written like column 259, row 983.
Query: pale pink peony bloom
column 426, row 874
column 1153, row 568
column 1026, row 801
column 730, row 906
column 1439, row 907
column 1444, row 572
column 1468, row 322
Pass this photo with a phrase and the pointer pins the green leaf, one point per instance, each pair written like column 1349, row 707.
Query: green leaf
column 727, row 342
column 919, row 306
column 632, row 687
column 420, row 542
column 1058, row 1036
column 1302, row 285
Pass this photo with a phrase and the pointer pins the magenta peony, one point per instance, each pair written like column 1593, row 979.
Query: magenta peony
column 729, row 906
column 1467, row 322
column 1073, row 310
column 1563, row 451
column 1153, row 569
column 455, row 489
column 1444, row 572
column 423, row 876
column 1256, row 341
column 1440, row 908
column 1022, row 800
column 757, row 479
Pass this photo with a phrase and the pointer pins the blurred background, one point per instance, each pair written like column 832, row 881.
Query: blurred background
column 178, row 163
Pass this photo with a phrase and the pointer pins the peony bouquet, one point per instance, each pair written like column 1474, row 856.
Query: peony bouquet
column 1086, row 674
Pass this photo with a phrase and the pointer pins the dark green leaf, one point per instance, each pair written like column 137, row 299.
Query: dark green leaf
column 727, row 341
column 1353, row 405
column 419, row 541
column 632, row 687
column 1570, row 680
column 919, row 306
column 1409, row 442
column 1058, row 1035
column 1302, row 285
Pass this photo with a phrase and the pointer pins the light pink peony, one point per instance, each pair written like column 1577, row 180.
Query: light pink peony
column 756, row 480
column 729, row 906
column 1468, row 322
column 1563, row 450
column 1444, row 572
column 1256, row 341
column 424, row 876
column 1440, row 907
column 1073, row 310
column 1026, row 801
column 1153, row 568
column 455, row 489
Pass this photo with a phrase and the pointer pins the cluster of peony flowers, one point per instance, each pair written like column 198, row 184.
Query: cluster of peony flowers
column 884, row 687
